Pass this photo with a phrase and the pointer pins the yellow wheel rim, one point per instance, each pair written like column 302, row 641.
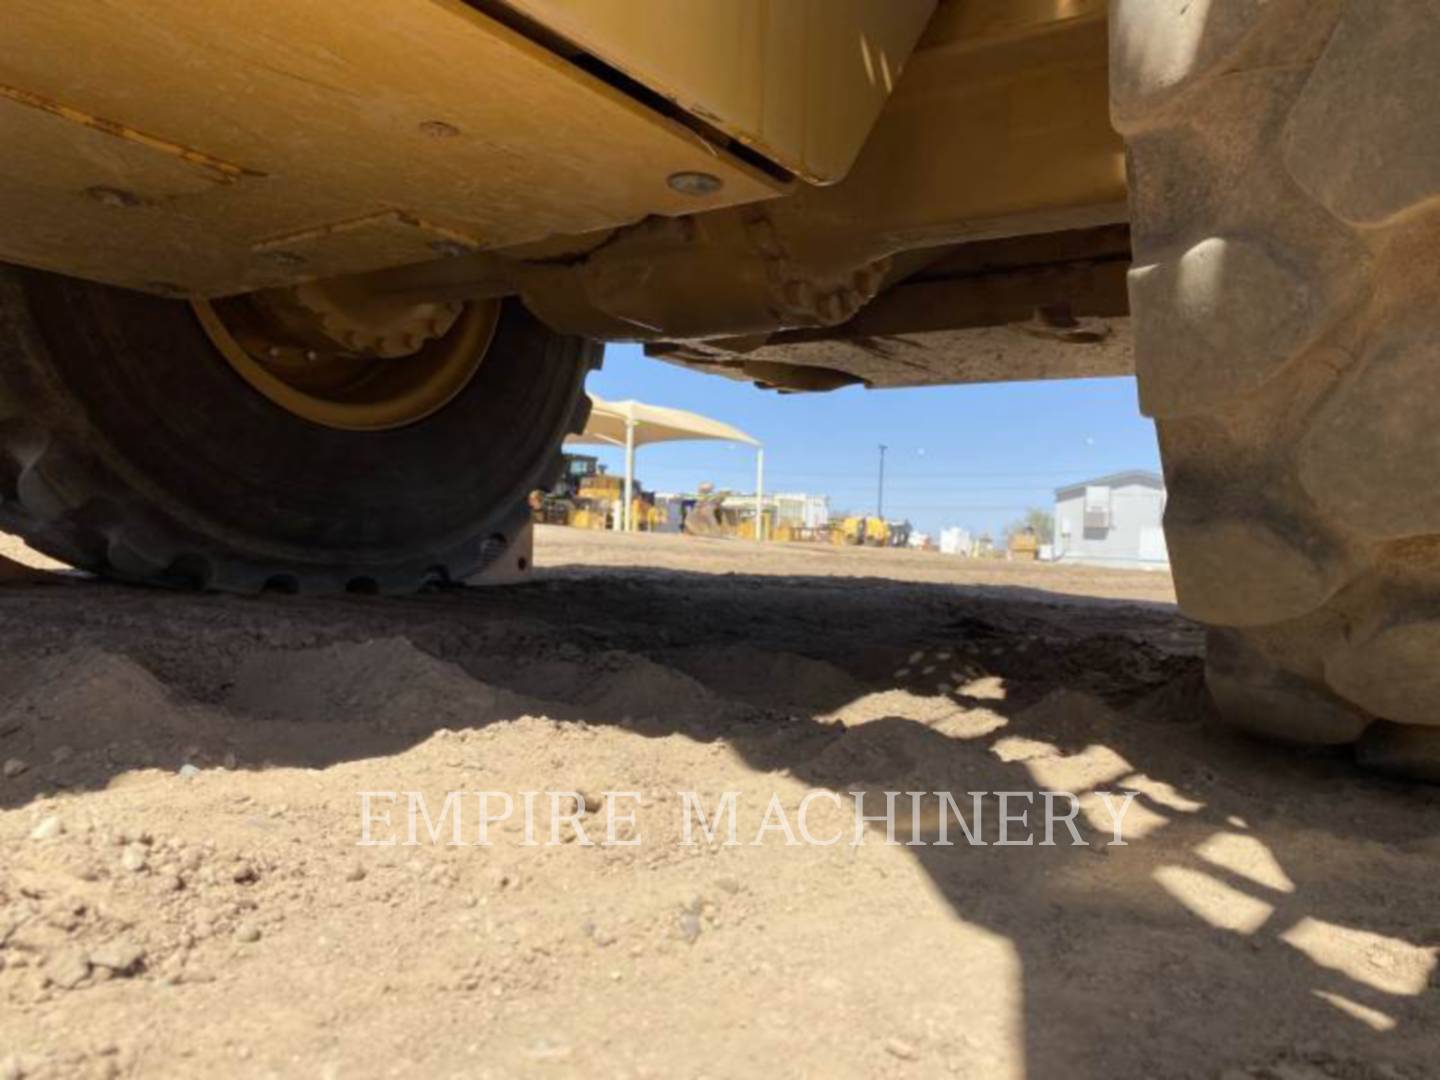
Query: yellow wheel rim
column 353, row 392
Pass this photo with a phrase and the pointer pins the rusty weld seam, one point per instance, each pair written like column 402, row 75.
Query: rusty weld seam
column 225, row 172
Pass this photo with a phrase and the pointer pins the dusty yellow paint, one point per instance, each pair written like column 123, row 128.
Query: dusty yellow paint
column 986, row 23
column 389, row 238
column 222, row 171
column 802, row 81
column 163, row 145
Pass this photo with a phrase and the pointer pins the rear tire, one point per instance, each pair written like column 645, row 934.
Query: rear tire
column 1285, row 187
column 130, row 448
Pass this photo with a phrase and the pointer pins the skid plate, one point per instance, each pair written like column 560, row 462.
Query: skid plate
column 217, row 147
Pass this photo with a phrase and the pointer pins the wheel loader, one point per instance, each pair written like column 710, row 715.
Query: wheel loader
column 302, row 295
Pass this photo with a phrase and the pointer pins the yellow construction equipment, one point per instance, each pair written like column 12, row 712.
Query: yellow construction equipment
column 1024, row 544
column 856, row 531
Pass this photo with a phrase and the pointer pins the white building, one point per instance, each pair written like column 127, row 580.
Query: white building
column 1113, row 520
column 786, row 508
column 955, row 541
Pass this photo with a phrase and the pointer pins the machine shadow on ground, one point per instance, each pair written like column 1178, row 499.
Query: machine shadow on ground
column 1268, row 911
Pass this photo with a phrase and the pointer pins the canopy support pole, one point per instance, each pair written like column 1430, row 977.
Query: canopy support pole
column 629, row 475
column 760, row 495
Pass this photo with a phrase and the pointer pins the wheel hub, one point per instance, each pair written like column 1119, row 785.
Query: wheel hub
column 347, row 360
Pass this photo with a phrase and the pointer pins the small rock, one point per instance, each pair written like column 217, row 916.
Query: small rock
column 545, row 1050
column 901, row 1049
column 134, row 858
column 61, row 754
column 67, row 968
column 355, row 873
column 244, row 874
column 188, row 771
column 688, row 926
column 247, row 933
column 13, row 767
column 599, row 935
column 728, row 884
column 120, row 956
column 48, row 828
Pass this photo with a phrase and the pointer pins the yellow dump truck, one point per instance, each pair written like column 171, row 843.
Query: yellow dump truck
column 301, row 295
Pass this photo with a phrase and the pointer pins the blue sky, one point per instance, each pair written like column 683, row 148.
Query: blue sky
column 974, row 456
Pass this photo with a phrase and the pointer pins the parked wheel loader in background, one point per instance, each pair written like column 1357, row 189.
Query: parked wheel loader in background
column 302, row 295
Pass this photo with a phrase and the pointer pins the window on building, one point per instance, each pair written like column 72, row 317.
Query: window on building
column 1098, row 505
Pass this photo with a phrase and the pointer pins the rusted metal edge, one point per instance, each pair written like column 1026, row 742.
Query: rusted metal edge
column 220, row 170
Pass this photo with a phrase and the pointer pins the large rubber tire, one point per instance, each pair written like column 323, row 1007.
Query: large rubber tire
column 128, row 447
column 1285, row 186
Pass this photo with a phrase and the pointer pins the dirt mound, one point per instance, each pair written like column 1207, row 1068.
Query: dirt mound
column 386, row 683
column 634, row 688
column 88, row 711
column 1069, row 719
column 186, row 893
column 773, row 680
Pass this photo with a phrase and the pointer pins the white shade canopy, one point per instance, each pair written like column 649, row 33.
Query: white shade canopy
column 633, row 424
column 609, row 421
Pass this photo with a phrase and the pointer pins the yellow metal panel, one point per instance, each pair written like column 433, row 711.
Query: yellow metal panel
column 178, row 144
column 802, row 81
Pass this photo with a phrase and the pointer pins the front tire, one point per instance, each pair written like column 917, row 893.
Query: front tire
column 1285, row 186
column 130, row 448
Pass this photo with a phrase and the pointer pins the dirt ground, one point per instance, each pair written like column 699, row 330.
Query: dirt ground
column 183, row 892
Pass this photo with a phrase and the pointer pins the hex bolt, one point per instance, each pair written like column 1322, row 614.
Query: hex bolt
column 110, row 196
column 695, row 183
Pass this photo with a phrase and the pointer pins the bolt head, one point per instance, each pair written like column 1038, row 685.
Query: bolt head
column 111, row 196
column 695, row 183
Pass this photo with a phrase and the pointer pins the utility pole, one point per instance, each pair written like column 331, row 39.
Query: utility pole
column 880, row 498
